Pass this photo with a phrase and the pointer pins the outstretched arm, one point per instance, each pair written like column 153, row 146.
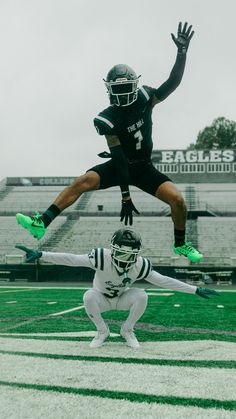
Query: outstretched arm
column 182, row 41
column 174, row 284
column 164, row 281
column 66, row 259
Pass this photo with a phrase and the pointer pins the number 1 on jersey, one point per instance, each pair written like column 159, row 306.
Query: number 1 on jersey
column 138, row 136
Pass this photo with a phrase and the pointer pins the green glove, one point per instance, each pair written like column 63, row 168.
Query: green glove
column 184, row 36
column 205, row 292
column 31, row 254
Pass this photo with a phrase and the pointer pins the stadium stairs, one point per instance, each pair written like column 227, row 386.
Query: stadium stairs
column 83, row 201
column 6, row 190
column 52, row 242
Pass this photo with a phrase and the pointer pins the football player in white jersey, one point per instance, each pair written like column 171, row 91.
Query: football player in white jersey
column 116, row 270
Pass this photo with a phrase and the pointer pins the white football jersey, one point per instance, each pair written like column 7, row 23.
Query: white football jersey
column 111, row 282
column 108, row 280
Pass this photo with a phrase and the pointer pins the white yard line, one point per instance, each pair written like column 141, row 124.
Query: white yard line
column 23, row 323
column 66, row 311
column 19, row 290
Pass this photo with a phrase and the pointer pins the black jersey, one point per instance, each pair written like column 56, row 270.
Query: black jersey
column 132, row 124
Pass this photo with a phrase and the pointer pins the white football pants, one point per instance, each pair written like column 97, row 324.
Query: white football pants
column 133, row 299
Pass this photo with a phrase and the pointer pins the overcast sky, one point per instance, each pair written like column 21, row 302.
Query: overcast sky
column 55, row 53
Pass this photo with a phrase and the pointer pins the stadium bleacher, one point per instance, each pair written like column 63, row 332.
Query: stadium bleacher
column 92, row 219
column 217, row 239
column 28, row 198
column 220, row 198
column 108, row 202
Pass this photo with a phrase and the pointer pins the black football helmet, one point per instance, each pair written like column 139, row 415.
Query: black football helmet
column 125, row 247
column 122, row 85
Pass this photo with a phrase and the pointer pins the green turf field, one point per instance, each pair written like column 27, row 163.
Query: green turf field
column 185, row 366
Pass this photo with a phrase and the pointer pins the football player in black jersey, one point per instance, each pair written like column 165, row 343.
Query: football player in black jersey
column 127, row 126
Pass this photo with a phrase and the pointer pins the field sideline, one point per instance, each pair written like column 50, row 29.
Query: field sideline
column 184, row 368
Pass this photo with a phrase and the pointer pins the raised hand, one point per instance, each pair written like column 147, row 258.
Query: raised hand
column 184, row 37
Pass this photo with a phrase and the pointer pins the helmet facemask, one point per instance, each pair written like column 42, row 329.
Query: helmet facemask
column 123, row 257
column 125, row 247
column 122, row 85
column 122, row 92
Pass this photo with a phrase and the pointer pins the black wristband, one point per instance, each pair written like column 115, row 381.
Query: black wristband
column 125, row 194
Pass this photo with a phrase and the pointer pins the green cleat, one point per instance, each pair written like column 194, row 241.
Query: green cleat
column 34, row 224
column 188, row 251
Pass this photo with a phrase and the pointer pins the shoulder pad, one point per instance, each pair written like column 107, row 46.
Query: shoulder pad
column 104, row 123
column 146, row 268
column 96, row 257
column 147, row 93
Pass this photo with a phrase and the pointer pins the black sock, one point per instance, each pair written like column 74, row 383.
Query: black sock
column 49, row 215
column 179, row 237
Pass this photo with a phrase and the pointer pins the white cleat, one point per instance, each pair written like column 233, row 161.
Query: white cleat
column 130, row 338
column 99, row 339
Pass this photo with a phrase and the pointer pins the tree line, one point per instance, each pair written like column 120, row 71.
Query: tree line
column 221, row 134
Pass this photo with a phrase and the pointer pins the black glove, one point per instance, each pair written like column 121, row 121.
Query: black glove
column 205, row 292
column 31, row 255
column 127, row 210
column 184, row 36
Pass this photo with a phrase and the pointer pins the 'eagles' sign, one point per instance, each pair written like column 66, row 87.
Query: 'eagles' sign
column 194, row 156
